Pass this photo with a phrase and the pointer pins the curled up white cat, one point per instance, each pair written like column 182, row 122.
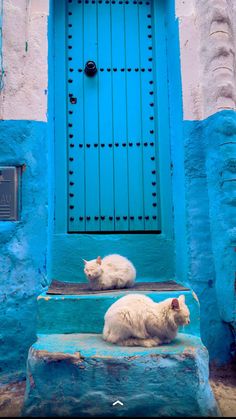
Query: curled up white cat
column 136, row 320
column 113, row 271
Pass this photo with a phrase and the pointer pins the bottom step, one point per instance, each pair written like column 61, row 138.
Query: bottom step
column 81, row 375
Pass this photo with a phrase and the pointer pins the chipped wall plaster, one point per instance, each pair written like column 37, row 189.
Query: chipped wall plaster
column 25, row 60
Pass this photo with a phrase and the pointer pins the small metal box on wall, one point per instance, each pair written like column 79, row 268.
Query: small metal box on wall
column 9, row 193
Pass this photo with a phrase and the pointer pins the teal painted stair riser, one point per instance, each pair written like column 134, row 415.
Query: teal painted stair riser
column 85, row 314
column 81, row 375
column 151, row 254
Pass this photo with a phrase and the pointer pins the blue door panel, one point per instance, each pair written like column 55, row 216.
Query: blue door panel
column 75, row 126
column 133, row 93
column 151, row 211
column 105, row 118
column 111, row 141
column 121, row 191
column 91, row 120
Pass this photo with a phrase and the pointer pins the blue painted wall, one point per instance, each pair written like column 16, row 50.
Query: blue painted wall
column 209, row 225
column 23, row 244
column 204, row 208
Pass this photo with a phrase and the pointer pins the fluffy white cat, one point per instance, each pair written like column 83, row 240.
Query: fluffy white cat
column 113, row 271
column 136, row 320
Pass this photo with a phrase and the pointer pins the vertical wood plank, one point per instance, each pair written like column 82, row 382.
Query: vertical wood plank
column 149, row 134
column 60, row 107
column 92, row 207
column 119, row 119
column 105, row 116
column 134, row 117
column 75, row 126
column 162, row 120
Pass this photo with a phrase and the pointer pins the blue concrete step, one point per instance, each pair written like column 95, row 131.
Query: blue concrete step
column 85, row 313
column 81, row 375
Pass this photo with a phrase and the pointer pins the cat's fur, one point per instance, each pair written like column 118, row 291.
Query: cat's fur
column 136, row 320
column 113, row 271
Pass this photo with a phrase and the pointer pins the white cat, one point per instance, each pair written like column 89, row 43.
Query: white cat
column 136, row 320
column 113, row 271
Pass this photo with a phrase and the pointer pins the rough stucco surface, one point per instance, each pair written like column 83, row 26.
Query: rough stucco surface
column 189, row 54
column 23, row 243
column 209, row 151
column 207, row 39
column 81, row 375
column 25, row 60
column 220, row 138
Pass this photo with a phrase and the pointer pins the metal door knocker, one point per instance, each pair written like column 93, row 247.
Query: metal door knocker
column 90, row 68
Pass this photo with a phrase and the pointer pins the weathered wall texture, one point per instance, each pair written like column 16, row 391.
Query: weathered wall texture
column 23, row 142
column 207, row 43
column 207, row 47
column 25, row 60
column 190, row 59
column 211, row 255
column 23, row 257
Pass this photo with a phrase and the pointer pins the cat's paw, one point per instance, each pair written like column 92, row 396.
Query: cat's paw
column 149, row 343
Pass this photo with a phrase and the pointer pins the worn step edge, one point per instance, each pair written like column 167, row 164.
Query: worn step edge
column 81, row 375
column 83, row 345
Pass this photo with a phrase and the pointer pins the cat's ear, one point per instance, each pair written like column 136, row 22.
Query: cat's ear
column 85, row 261
column 99, row 260
column 175, row 304
column 181, row 298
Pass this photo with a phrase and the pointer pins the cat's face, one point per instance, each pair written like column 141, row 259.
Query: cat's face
column 92, row 268
column 180, row 310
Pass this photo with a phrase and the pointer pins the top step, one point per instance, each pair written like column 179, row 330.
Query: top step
column 71, row 288
column 71, row 308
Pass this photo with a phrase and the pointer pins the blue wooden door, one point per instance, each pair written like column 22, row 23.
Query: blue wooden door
column 112, row 135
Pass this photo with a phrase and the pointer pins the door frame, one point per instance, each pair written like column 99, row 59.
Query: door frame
column 59, row 63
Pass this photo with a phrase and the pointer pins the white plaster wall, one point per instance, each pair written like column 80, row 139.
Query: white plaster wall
column 190, row 59
column 207, row 49
column 25, row 60
column 207, row 45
